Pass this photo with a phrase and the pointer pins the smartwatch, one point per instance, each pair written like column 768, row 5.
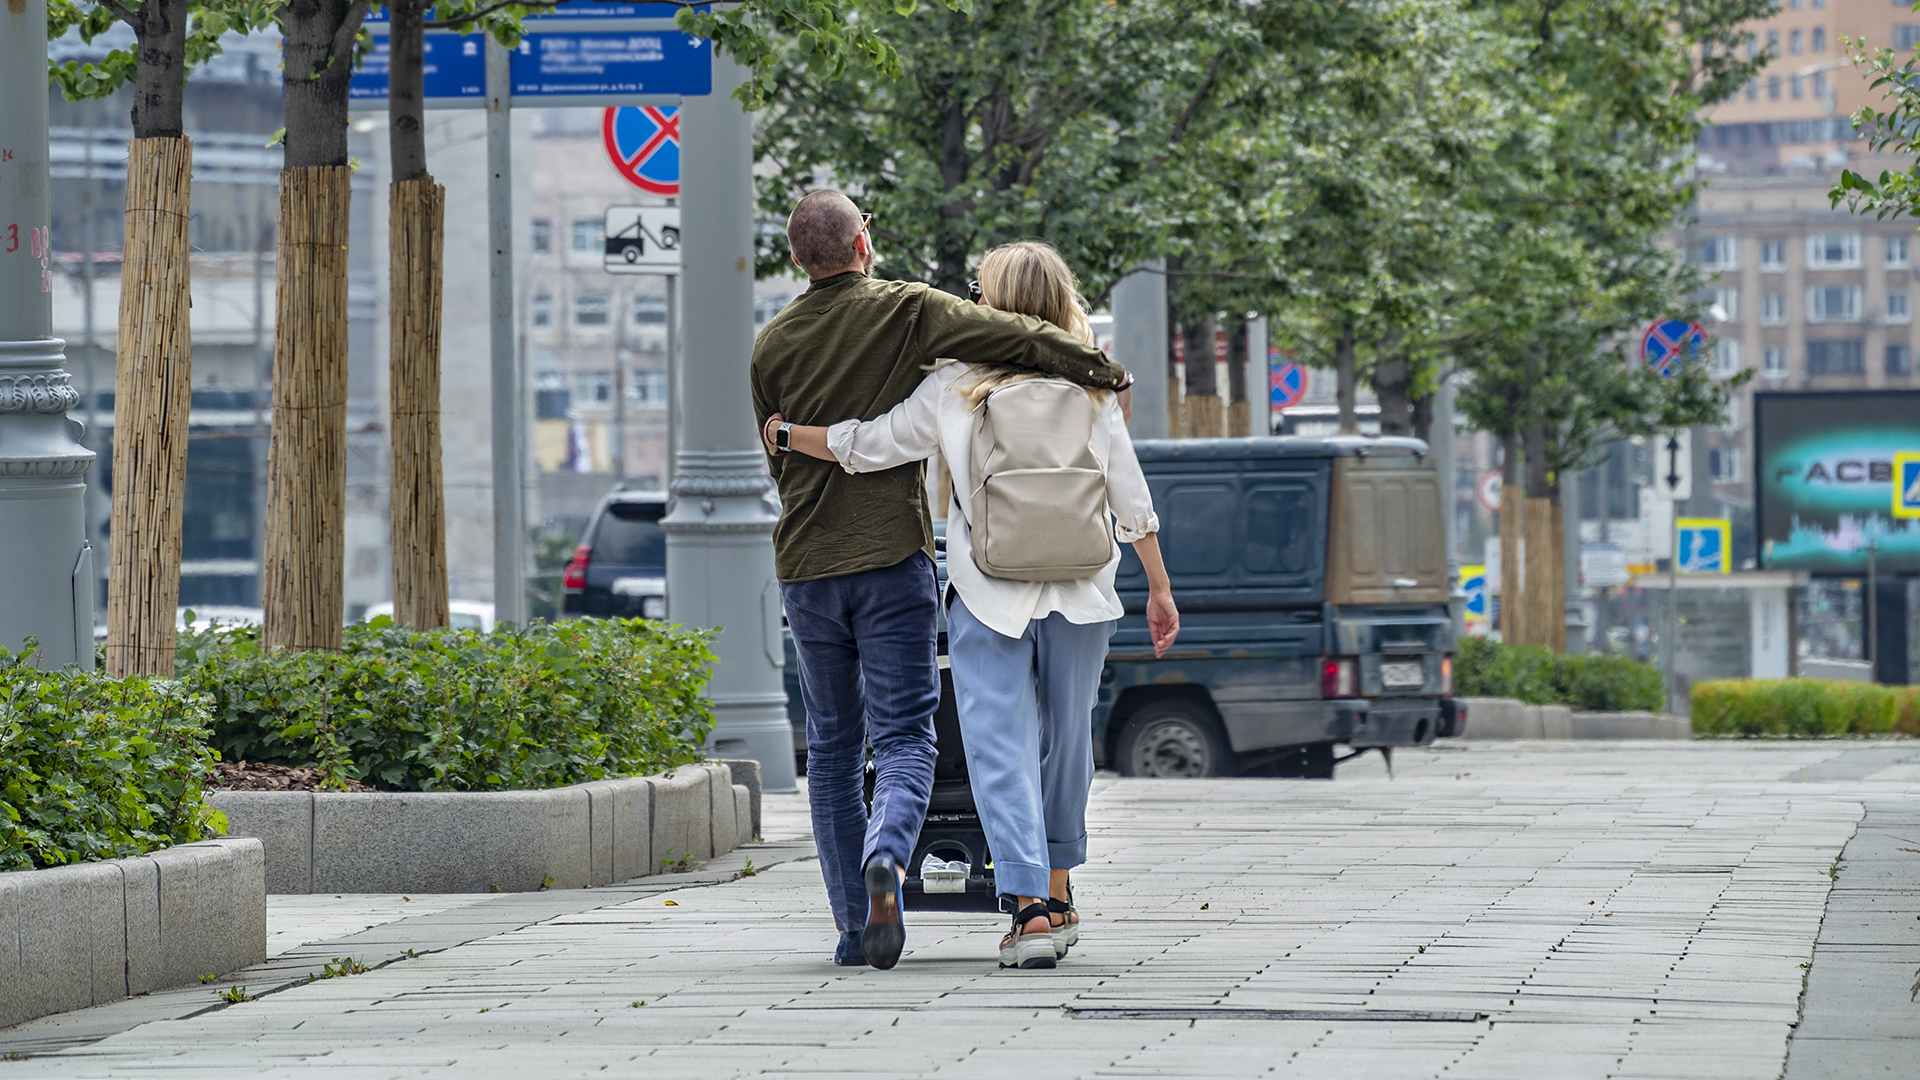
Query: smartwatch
column 783, row 438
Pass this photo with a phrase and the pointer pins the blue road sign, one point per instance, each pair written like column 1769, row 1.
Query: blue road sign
column 1906, row 485
column 1669, row 342
column 575, row 10
column 1288, row 382
column 1473, row 583
column 644, row 145
column 1703, row 545
column 454, row 68
column 573, row 67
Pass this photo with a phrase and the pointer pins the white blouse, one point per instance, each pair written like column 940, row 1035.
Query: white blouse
column 937, row 419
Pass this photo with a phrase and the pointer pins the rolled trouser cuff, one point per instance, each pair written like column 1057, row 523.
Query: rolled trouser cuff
column 1019, row 879
column 1067, row 856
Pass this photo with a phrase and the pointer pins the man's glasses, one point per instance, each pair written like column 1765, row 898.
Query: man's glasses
column 973, row 291
column 865, row 220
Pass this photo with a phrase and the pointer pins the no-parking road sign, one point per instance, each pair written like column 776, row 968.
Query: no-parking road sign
column 1287, row 380
column 644, row 145
column 1669, row 342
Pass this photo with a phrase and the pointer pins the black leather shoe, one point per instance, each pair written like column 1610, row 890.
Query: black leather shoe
column 847, row 953
column 885, row 934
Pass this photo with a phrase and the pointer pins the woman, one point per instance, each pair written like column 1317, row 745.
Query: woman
column 1026, row 655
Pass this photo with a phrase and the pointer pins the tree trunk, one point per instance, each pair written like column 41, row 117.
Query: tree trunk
column 952, row 249
column 417, row 210
column 302, row 584
column 1343, row 368
column 416, row 229
column 1176, row 352
column 1545, row 591
column 1204, row 415
column 1423, row 418
column 307, row 463
column 153, row 389
column 1391, row 377
column 159, row 70
column 1513, row 499
column 1239, row 411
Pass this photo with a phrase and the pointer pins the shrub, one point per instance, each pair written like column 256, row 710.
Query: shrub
column 1803, row 707
column 458, row 710
column 1537, row 675
column 94, row 767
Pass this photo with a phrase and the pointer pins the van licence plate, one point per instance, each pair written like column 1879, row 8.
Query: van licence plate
column 1403, row 673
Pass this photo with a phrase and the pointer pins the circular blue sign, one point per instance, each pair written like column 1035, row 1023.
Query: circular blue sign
column 1669, row 342
column 644, row 144
column 1287, row 382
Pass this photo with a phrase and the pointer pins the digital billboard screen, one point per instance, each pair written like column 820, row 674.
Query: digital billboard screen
column 1834, row 473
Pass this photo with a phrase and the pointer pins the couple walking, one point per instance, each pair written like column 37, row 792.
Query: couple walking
column 856, row 383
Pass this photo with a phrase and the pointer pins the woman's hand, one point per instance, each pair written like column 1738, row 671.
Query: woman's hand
column 1163, row 620
column 766, row 435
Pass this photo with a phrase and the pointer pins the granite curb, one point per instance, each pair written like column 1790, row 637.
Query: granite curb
column 585, row 835
column 93, row 933
column 1505, row 718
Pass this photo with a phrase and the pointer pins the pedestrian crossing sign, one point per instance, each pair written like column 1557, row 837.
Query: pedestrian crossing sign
column 1906, row 484
column 1703, row 543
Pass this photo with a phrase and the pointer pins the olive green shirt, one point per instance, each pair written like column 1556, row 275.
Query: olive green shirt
column 851, row 347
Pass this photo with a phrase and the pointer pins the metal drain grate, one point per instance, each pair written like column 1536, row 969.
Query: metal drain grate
column 1205, row 1012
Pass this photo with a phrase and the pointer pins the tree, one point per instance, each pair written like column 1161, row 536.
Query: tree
column 1894, row 129
column 153, row 381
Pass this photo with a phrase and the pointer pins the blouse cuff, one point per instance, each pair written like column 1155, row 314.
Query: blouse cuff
column 840, row 442
column 1130, row 534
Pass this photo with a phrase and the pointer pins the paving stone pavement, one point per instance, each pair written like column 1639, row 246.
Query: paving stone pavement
column 1603, row 909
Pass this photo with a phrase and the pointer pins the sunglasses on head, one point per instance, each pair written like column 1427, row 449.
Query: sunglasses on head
column 973, row 291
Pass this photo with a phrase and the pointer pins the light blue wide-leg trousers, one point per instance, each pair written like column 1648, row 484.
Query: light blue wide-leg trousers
column 1026, row 713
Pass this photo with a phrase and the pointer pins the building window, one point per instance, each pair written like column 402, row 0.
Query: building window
column 1724, row 464
column 590, row 309
column 1896, row 253
column 1773, row 256
column 648, row 389
column 543, row 311
column 1753, row 89
column 1774, row 362
column 1799, row 87
column 649, row 311
column 1728, row 301
column 1897, row 309
column 1773, row 87
column 1899, row 360
column 1833, row 251
column 588, row 238
column 593, row 387
column 1751, row 48
column 1720, row 253
column 1819, row 39
column 1773, row 42
column 542, row 236
column 1794, row 42
column 1906, row 36
column 1836, row 357
column 1833, row 303
column 1820, row 84
column 1773, row 309
column 1726, row 357
column 766, row 307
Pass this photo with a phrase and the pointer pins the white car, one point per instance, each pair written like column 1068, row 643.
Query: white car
column 462, row 614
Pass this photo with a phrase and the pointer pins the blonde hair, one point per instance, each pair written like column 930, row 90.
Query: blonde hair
column 1027, row 277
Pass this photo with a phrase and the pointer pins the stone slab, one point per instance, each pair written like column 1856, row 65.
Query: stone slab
column 743, row 812
column 283, row 822
column 720, row 792
column 1505, row 718
column 93, row 933
column 747, row 771
column 682, row 803
column 1630, row 725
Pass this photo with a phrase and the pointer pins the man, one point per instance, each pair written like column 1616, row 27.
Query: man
column 854, row 554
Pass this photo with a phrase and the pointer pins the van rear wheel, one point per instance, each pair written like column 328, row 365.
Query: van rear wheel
column 1173, row 738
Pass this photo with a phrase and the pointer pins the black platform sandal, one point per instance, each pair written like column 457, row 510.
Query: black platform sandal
column 1020, row 949
column 1067, row 933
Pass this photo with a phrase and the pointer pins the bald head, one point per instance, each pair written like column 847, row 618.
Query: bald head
column 823, row 232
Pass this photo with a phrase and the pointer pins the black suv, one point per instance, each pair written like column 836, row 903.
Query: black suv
column 620, row 567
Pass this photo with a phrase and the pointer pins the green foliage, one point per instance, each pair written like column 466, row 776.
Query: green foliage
column 1537, row 675
column 458, row 710
column 93, row 767
column 1804, row 707
column 1890, row 131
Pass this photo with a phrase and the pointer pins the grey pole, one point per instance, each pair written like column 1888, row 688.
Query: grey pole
column 47, row 591
column 1139, row 303
column 1576, row 616
column 509, row 501
column 673, row 374
column 1259, row 379
column 720, row 524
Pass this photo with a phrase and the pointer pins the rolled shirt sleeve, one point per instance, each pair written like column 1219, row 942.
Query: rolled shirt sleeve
column 1127, row 493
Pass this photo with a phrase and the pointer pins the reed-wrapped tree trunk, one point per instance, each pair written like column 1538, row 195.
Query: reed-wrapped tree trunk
column 1205, row 418
column 416, row 243
column 1239, row 374
column 1513, row 499
column 1346, row 381
column 1176, row 390
column 153, row 387
column 307, row 462
column 1546, row 573
column 417, row 505
column 1392, row 378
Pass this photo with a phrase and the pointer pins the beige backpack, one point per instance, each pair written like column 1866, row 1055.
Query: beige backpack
column 1038, row 509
